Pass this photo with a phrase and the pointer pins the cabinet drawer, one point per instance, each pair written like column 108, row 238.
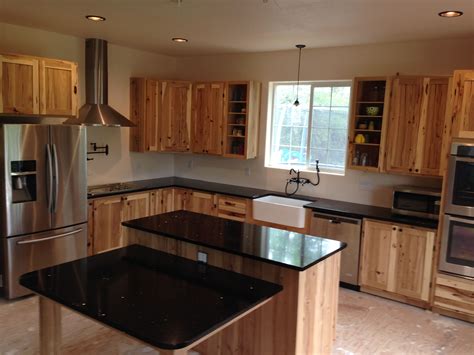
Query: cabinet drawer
column 455, row 294
column 232, row 208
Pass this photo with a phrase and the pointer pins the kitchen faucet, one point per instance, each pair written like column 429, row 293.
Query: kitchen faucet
column 300, row 180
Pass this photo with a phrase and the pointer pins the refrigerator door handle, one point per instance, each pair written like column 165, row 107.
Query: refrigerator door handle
column 49, row 177
column 55, row 179
column 49, row 238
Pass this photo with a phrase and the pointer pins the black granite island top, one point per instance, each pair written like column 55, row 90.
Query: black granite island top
column 276, row 246
column 164, row 300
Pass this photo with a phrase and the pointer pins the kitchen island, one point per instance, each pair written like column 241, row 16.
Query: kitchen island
column 301, row 319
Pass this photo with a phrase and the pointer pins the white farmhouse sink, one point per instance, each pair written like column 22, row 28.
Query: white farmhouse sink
column 280, row 210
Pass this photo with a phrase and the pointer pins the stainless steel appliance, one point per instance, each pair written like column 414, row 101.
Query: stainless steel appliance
column 457, row 242
column 416, row 201
column 43, row 199
column 346, row 230
column 460, row 194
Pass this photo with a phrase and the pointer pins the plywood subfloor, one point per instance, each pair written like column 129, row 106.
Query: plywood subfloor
column 366, row 325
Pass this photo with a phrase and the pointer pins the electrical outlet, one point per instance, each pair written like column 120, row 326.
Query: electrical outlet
column 202, row 257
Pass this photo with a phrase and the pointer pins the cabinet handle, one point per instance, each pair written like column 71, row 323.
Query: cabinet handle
column 410, row 169
column 394, row 228
column 229, row 203
column 75, row 89
column 334, row 221
column 416, row 170
column 400, row 230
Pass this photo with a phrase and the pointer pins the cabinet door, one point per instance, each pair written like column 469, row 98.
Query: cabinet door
column 90, row 228
column 175, row 116
column 58, row 88
column 199, row 118
column 173, row 199
column 404, row 121
column 145, row 105
column 215, row 119
column 19, row 90
column 413, row 262
column 156, row 202
column 377, row 264
column 201, row 202
column 107, row 223
column 430, row 132
column 136, row 206
column 467, row 107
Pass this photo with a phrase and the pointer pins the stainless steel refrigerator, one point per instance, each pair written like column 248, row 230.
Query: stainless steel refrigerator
column 43, row 196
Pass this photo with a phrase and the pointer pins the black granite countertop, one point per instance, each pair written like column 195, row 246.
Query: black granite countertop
column 276, row 246
column 322, row 205
column 356, row 210
column 164, row 300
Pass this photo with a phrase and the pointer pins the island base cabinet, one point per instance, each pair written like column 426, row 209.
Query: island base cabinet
column 396, row 262
column 299, row 320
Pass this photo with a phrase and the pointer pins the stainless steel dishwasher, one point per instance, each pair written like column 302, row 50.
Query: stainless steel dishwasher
column 346, row 230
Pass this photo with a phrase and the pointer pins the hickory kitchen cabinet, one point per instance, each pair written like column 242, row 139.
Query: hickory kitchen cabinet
column 108, row 214
column 175, row 116
column 459, row 120
column 415, row 125
column 207, row 118
column 37, row 86
column 145, row 103
column 396, row 261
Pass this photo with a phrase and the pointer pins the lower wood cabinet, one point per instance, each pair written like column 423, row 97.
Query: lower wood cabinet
column 108, row 214
column 201, row 202
column 397, row 260
column 454, row 297
column 232, row 208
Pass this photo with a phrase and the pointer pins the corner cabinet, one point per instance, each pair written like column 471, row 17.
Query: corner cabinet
column 37, row 86
column 242, row 114
column 415, row 125
column 396, row 261
column 368, row 121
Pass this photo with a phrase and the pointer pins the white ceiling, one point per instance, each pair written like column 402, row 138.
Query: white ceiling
column 229, row 26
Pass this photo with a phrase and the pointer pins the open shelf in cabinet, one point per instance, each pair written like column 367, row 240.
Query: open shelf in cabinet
column 241, row 123
column 369, row 110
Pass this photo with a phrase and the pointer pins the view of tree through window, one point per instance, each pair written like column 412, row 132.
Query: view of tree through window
column 316, row 129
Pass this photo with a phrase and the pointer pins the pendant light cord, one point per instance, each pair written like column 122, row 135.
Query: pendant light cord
column 300, row 47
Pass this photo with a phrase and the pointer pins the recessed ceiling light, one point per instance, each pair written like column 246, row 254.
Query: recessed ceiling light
column 179, row 39
column 450, row 13
column 95, row 18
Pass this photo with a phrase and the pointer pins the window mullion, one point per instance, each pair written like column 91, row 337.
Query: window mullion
column 310, row 126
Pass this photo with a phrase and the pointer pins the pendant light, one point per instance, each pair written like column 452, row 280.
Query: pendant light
column 300, row 47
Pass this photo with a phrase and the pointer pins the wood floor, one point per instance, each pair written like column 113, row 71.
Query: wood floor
column 366, row 325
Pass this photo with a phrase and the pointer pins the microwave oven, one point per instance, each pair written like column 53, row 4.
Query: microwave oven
column 416, row 201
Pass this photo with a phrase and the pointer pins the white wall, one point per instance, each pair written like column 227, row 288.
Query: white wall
column 120, row 164
column 427, row 57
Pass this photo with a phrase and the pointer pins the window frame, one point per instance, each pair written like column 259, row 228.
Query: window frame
column 308, row 167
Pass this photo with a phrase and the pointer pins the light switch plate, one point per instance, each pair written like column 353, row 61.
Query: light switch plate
column 202, row 257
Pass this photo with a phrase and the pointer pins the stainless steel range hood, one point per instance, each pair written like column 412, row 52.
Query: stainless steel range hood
column 96, row 111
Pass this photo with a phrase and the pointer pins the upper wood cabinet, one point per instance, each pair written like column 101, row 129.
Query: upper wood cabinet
column 145, row 103
column 175, row 116
column 207, row 118
column 459, row 121
column 58, row 87
column 19, row 85
column 415, row 125
column 397, row 259
column 37, row 86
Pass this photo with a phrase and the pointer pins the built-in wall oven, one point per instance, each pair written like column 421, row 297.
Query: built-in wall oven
column 457, row 243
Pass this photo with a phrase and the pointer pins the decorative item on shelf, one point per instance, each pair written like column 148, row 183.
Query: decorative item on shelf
column 372, row 110
column 373, row 94
column 356, row 158
column 360, row 139
column 240, row 120
column 364, row 159
column 300, row 47
column 367, row 138
column 243, row 110
column 362, row 125
column 98, row 150
column 371, row 125
column 237, row 132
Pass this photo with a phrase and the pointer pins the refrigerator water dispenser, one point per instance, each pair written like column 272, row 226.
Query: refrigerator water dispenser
column 23, row 181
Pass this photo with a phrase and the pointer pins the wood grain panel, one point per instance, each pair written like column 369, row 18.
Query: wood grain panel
column 58, row 87
column 19, row 77
column 175, row 116
column 404, row 121
column 201, row 202
column 455, row 294
column 156, row 202
column 107, row 223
